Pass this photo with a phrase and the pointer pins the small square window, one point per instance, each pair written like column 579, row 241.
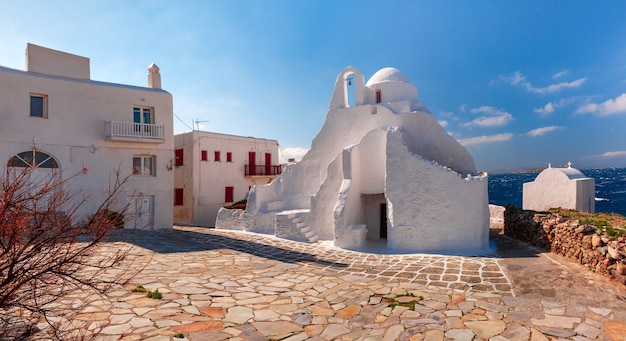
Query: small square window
column 203, row 155
column 229, row 194
column 39, row 106
column 217, row 155
column 178, row 196
column 144, row 165
column 229, row 157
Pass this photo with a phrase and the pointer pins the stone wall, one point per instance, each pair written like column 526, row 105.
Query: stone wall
column 580, row 243
column 496, row 216
column 233, row 219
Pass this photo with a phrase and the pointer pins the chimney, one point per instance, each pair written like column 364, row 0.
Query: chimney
column 154, row 77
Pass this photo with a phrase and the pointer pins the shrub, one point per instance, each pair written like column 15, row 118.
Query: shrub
column 155, row 294
column 50, row 252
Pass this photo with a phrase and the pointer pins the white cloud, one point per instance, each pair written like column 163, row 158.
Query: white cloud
column 559, row 74
column 296, row 153
column 547, row 109
column 495, row 117
column 462, row 107
column 443, row 123
column 518, row 78
column 543, row 130
column 608, row 155
column 609, row 107
column 485, row 139
column 620, row 153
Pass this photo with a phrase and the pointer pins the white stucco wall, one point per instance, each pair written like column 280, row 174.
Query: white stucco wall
column 559, row 187
column 431, row 208
column 204, row 182
column 74, row 133
column 47, row 61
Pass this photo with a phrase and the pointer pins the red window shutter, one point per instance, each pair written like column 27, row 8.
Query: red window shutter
column 379, row 97
column 179, row 157
column 204, row 155
column 178, row 196
column 228, row 194
column 217, row 155
column 229, row 157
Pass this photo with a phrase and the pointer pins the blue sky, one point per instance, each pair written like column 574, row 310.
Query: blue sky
column 519, row 83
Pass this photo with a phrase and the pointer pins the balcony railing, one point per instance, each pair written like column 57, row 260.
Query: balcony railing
column 263, row 170
column 131, row 131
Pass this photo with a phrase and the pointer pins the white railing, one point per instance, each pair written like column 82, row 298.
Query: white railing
column 120, row 129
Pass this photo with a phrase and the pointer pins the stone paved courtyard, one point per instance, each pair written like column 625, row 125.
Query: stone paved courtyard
column 225, row 285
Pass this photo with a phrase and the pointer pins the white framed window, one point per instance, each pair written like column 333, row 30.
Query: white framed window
column 143, row 115
column 38, row 105
column 144, row 165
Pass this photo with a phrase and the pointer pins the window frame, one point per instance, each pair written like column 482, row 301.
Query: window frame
column 204, row 155
column 229, row 157
column 142, row 165
column 179, row 157
column 44, row 105
column 139, row 114
column 217, row 156
column 179, row 196
column 33, row 158
column 229, row 193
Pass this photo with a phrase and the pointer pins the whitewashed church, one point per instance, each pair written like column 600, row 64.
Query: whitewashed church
column 381, row 172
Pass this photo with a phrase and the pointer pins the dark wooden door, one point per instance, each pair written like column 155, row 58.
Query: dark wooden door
column 383, row 221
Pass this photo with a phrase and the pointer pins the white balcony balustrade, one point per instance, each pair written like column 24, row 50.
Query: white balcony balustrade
column 134, row 132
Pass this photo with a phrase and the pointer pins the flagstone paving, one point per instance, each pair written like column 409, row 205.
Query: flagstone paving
column 229, row 285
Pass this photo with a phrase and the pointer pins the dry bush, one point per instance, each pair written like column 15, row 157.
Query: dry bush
column 51, row 259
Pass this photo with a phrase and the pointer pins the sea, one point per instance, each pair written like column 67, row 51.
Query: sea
column 610, row 188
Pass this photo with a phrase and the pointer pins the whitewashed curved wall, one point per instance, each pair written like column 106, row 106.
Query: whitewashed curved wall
column 433, row 209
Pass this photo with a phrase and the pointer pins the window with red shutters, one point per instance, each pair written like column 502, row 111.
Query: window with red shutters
column 229, row 194
column 178, row 197
column 179, row 157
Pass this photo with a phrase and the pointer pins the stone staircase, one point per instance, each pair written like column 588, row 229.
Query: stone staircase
column 293, row 225
column 306, row 230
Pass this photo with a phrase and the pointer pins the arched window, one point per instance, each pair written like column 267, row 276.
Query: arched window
column 33, row 158
column 349, row 89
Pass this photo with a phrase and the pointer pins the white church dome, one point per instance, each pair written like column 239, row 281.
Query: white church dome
column 391, row 85
column 388, row 74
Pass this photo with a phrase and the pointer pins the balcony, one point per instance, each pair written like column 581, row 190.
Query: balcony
column 263, row 170
column 134, row 132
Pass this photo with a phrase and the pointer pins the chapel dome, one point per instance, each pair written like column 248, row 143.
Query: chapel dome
column 388, row 74
column 572, row 173
column 569, row 172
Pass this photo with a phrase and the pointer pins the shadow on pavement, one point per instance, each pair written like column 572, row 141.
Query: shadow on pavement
column 176, row 240
column 507, row 247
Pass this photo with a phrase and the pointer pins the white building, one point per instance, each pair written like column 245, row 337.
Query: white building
column 560, row 187
column 213, row 170
column 380, row 171
column 55, row 117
